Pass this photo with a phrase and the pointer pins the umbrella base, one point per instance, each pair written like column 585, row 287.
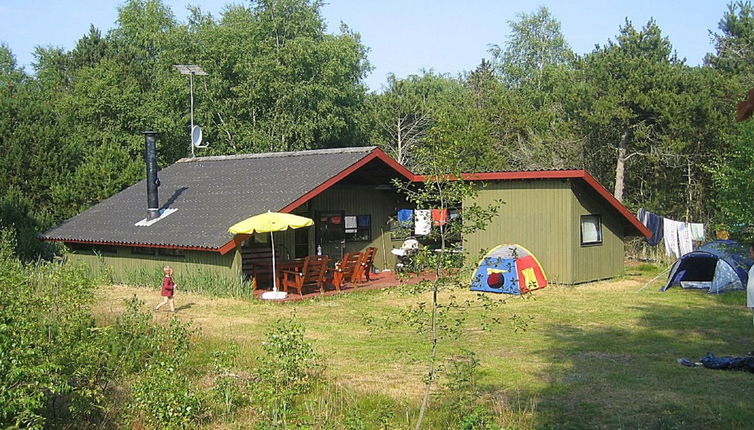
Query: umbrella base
column 274, row 295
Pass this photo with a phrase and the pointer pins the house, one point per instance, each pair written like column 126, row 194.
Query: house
column 349, row 194
column 204, row 196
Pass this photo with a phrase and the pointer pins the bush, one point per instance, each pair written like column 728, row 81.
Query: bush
column 288, row 370
column 166, row 398
column 49, row 350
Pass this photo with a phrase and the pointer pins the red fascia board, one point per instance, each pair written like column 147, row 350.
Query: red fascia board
column 558, row 174
column 376, row 153
column 589, row 179
column 139, row 245
column 507, row 176
column 233, row 243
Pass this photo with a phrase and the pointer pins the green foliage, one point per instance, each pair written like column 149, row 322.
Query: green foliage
column 461, row 404
column 536, row 44
column 288, row 369
column 49, row 354
column 195, row 280
column 227, row 391
column 167, row 399
column 734, row 46
column 732, row 178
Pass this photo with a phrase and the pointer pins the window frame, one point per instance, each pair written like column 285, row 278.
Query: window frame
column 600, row 239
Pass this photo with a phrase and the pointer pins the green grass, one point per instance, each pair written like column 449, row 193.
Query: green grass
column 599, row 355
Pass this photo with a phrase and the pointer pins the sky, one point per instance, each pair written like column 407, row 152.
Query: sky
column 404, row 36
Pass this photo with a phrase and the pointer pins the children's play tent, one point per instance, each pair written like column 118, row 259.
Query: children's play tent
column 718, row 266
column 509, row 269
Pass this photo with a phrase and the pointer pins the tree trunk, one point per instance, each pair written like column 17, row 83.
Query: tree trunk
column 620, row 167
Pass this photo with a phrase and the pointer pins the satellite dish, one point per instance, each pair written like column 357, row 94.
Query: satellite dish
column 196, row 137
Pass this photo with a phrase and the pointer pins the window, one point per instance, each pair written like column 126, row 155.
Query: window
column 140, row 250
column 170, row 252
column 358, row 228
column 591, row 230
column 92, row 249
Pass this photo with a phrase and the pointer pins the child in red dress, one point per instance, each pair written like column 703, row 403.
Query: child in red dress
column 167, row 289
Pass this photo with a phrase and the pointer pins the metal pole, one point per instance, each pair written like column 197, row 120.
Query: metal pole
column 150, row 151
column 191, row 131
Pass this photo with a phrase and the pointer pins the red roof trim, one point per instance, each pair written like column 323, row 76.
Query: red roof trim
column 233, row 243
column 558, row 174
column 506, row 176
column 138, row 245
column 376, row 153
column 589, row 179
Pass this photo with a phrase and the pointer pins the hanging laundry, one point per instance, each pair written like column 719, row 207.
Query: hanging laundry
column 641, row 215
column 422, row 222
column 697, row 231
column 405, row 217
column 364, row 220
column 350, row 224
column 653, row 223
column 439, row 217
column 670, row 233
column 684, row 238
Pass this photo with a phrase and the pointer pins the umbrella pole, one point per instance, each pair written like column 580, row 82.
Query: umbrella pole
column 274, row 272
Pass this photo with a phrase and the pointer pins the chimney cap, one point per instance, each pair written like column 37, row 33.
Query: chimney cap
column 149, row 132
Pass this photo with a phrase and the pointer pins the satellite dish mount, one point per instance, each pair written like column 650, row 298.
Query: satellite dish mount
column 195, row 131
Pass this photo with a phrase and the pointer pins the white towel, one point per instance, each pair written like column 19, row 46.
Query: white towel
column 670, row 236
column 422, row 222
column 697, row 231
column 350, row 221
column 684, row 238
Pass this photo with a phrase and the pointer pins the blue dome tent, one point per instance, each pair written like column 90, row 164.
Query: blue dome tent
column 718, row 266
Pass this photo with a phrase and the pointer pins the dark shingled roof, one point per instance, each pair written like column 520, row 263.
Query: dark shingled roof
column 209, row 194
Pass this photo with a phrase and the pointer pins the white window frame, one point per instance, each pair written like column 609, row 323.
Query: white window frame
column 591, row 217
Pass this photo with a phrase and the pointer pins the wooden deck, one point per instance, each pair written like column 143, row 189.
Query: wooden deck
column 378, row 281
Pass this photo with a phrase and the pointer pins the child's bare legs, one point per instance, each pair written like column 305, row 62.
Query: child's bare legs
column 172, row 306
column 164, row 300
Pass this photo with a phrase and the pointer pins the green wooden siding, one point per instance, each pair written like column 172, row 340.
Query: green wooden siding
column 363, row 200
column 544, row 217
column 593, row 262
column 125, row 265
column 534, row 216
column 352, row 200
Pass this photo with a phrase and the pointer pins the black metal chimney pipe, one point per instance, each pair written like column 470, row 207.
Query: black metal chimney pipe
column 150, row 156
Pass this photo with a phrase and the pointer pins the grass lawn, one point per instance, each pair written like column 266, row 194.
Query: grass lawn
column 597, row 355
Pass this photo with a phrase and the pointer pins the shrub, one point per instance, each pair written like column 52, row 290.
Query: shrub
column 287, row 371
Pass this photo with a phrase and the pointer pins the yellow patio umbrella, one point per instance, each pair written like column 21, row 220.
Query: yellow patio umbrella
column 270, row 222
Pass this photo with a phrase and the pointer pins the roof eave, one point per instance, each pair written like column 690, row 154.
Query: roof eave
column 134, row 244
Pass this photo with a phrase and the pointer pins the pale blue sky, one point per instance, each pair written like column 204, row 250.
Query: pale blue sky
column 405, row 36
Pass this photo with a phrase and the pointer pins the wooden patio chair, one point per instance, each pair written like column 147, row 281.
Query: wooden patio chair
column 310, row 274
column 345, row 269
column 257, row 264
column 366, row 265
